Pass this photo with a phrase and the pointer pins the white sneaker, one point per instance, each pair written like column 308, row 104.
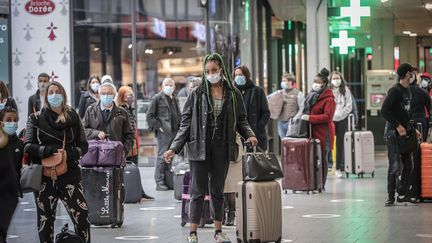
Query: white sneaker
column 193, row 238
column 338, row 174
column 221, row 238
column 341, row 174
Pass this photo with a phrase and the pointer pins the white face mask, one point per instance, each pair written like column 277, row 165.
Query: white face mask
column 213, row 78
column 424, row 83
column 95, row 87
column 316, row 86
column 336, row 82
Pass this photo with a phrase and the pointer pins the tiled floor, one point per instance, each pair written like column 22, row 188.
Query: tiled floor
column 353, row 211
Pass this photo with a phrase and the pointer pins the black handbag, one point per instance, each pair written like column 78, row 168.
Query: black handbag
column 297, row 128
column 409, row 143
column 68, row 236
column 261, row 166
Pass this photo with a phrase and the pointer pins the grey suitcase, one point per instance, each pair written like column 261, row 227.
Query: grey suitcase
column 132, row 183
column 259, row 211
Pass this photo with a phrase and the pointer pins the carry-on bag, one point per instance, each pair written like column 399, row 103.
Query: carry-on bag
column 68, row 236
column 260, row 165
column 359, row 151
column 179, row 172
column 104, row 153
column 258, row 211
column 104, row 192
column 132, row 183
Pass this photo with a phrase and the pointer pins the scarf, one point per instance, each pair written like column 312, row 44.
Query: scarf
column 51, row 117
column 312, row 99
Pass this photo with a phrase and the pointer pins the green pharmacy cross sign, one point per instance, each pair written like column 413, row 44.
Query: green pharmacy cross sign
column 343, row 42
column 355, row 11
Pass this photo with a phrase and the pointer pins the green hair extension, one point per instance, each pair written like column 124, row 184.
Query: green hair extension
column 218, row 58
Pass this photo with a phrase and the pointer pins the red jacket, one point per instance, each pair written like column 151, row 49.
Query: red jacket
column 321, row 118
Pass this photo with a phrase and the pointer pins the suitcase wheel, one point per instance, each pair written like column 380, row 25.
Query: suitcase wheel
column 201, row 225
column 373, row 174
column 293, row 191
column 286, row 191
column 183, row 224
column 347, row 175
column 239, row 241
column 319, row 191
column 307, row 192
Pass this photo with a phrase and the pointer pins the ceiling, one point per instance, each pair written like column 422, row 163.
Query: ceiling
column 408, row 15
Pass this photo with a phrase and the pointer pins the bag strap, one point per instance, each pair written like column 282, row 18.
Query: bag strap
column 64, row 139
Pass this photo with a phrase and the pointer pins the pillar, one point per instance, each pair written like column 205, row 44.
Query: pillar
column 382, row 39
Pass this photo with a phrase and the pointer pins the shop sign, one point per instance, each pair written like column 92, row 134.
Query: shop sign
column 40, row 7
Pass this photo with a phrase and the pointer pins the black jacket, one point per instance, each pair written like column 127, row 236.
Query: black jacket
column 396, row 107
column 421, row 102
column 258, row 113
column 44, row 134
column 10, row 168
column 34, row 103
column 159, row 113
column 117, row 125
column 194, row 118
column 17, row 147
column 85, row 101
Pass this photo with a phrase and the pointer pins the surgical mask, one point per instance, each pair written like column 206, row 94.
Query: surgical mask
column 95, row 87
column 42, row 86
column 336, row 82
column 316, row 86
column 10, row 127
column 214, row 78
column 168, row 90
column 2, row 106
column 106, row 100
column 284, row 85
column 240, row 80
column 129, row 100
column 424, row 83
column 55, row 100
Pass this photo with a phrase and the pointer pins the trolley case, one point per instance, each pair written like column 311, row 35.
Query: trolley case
column 104, row 192
column 426, row 170
column 359, row 150
column 132, row 183
column 179, row 173
column 302, row 164
column 259, row 211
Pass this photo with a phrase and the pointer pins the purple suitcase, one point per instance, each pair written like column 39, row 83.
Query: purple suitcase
column 104, row 153
column 206, row 214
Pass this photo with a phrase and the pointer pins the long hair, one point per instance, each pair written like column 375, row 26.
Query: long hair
column 245, row 71
column 215, row 57
column 89, row 83
column 65, row 109
column 342, row 87
column 120, row 98
column 3, row 90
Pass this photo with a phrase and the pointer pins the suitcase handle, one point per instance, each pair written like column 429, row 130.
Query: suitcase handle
column 351, row 122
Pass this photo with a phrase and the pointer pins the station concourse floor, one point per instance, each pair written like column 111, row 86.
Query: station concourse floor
column 351, row 210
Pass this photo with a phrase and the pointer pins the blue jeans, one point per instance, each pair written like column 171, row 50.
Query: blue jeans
column 282, row 128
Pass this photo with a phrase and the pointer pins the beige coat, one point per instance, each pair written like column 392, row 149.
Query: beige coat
column 235, row 169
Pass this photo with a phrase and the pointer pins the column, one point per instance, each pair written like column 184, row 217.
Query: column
column 382, row 39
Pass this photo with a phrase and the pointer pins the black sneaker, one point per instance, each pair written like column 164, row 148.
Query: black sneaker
column 390, row 202
column 146, row 197
column 402, row 199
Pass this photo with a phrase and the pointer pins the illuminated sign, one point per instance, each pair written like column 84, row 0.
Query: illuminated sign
column 355, row 12
column 343, row 42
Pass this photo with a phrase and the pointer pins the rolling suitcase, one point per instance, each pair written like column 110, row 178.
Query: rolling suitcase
column 179, row 172
column 104, row 192
column 259, row 211
column 359, row 150
column 206, row 217
column 302, row 165
column 426, row 167
column 132, row 183
column 169, row 176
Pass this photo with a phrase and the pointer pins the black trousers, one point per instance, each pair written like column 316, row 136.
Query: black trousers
column 72, row 196
column 209, row 175
column 8, row 204
column 400, row 167
column 340, row 127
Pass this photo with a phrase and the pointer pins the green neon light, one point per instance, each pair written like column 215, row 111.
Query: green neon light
column 343, row 42
column 368, row 50
column 289, row 25
column 289, row 50
column 246, row 13
column 421, row 63
column 430, row 51
column 355, row 12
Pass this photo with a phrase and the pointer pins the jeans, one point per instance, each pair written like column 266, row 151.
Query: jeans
column 282, row 128
column 72, row 196
column 400, row 167
column 164, row 140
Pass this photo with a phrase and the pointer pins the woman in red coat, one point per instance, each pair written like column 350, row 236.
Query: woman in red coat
column 319, row 111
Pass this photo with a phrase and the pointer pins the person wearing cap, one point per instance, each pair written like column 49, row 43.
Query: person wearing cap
column 163, row 116
column 425, row 82
column 396, row 110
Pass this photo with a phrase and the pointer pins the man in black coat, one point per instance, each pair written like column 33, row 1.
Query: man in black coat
column 35, row 102
column 257, row 109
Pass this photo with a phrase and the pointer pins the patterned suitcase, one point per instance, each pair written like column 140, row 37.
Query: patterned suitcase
column 259, row 211
column 359, row 150
column 302, row 165
column 104, row 192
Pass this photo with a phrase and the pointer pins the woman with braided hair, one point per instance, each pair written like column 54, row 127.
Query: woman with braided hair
column 212, row 115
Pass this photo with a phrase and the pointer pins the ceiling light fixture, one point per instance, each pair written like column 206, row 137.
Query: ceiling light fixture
column 413, row 34
column 428, row 6
column 384, row 1
column 406, row 32
column 130, row 46
column 430, row 31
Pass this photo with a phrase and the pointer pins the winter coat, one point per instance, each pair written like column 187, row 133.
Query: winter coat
column 343, row 104
column 34, row 103
column 10, row 168
column 159, row 113
column 321, row 118
column 85, row 101
column 257, row 110
column 117, row 125
column 43, row 132
column 193, row 125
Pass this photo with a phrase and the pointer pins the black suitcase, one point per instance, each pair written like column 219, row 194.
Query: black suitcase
column 132, row 183
column 104, row 192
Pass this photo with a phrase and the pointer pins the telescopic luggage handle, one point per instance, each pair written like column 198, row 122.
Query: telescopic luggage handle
column 351, row 122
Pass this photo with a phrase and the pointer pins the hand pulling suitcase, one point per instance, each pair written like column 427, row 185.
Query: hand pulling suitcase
column 259, row 211
column 179, row 172
column 302, row 165
column 132, row 183
column 104, row 192
column 359, row 150
column 169, row 176
column 206, row 217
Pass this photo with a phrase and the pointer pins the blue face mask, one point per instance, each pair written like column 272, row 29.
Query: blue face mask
column 55, row 100
column 106, row 100
column 240, row 80
column 2, row 106
column 10, row 127
column 168, row 90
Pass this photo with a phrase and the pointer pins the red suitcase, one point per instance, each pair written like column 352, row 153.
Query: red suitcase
column 302, row 165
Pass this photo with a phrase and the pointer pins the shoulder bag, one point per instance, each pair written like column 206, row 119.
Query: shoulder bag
column 56, row 164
